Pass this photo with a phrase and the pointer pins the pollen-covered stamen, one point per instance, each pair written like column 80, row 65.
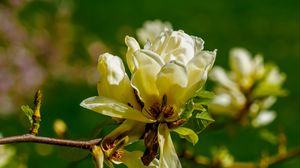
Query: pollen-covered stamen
column 108, row 144
column 177, row 123
column 117, row 155
column 154, row 110
column 167, row 111
column 160, row 111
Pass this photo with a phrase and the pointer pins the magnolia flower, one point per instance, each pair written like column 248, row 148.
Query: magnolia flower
column 248, row 90
column 152, row 29
column 111, row 150
column 165, row 74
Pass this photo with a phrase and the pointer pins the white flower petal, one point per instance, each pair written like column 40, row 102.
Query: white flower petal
column 133, row 46
column 113, row 108
column 268, row 102
column 258, row 64
column 222, row 104
column 144, row 77
column 151, row 30
column 238, row 99
column 240, row 61
column 219, row 75
column 222, row 99
column 114, row 82
column 199, row 66
column 264, row 118
column 198, row 69
column 242, row 66
column 168, row 157
column 274, row 77
column 140, row 61
column 175, row 45
column 132, row 159
column 172, row 81
column 131, row 128
column 199, row 44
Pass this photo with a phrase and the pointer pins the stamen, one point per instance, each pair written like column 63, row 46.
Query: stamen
column 177, row 123
column 108, row 144
column 117, row 155
column 168, row 111
column 155, row 110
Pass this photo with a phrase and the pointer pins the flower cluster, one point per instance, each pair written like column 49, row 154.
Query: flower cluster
column 248, row 90
column 165, row 74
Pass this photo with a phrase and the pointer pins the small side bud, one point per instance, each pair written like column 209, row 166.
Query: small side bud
column 36, row 117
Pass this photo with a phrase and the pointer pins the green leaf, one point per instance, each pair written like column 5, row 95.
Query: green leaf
column 196, row 111
column 200, row 107
column 187, row 134
column 28, row 112
column 203, row 97
column 198, row 102
column 204, row 115
column 188, row 109
column 200, row 120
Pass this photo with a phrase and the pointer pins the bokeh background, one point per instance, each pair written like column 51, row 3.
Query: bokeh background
column 54, row 45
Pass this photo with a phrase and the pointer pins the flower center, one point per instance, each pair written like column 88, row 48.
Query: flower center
column 117, row 155
column 113, row 148
column 160, row 113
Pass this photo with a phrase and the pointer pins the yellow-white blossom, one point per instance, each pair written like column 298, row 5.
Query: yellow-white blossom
column 164, row 75
column 111, row 150
column 248, row 90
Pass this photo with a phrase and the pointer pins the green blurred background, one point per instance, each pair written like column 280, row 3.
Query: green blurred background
column 65, row 37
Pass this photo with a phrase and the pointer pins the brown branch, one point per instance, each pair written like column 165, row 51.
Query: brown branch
column 51, row 141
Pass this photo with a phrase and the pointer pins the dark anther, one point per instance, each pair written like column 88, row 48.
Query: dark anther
column 108, row 144
column 168, row 111
column 164, row 100
column 154, row 110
